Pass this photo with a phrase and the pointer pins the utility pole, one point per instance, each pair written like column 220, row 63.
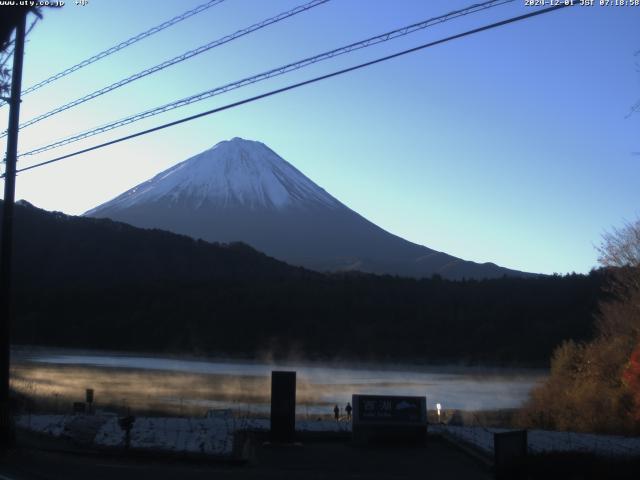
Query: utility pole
column 6, row 426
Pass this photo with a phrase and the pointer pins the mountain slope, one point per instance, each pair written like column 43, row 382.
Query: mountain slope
column 241, row 190
column 53, row 250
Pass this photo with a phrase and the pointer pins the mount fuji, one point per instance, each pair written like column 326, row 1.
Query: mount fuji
column 241, row 190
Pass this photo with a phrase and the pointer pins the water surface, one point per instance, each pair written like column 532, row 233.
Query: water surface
column 187, row 385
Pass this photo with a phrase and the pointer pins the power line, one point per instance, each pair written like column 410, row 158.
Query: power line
column 175, row 60
column 269, row 74
column 121, row 45
column 299, row 84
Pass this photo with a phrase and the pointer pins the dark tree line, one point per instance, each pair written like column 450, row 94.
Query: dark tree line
column 82, row 282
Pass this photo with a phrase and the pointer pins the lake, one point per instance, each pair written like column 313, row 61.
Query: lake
column 186, row 385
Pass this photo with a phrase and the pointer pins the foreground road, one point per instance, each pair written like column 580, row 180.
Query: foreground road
column 336, row 460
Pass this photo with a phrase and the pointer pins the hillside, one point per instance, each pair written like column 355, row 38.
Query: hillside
column 91, row 283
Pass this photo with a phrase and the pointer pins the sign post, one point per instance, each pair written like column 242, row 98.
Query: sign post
column 89, row 399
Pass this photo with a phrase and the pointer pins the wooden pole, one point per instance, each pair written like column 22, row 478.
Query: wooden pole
column 6, row 428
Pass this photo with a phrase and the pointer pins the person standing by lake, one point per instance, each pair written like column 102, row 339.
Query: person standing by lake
column 348, row 410
column 336, row 413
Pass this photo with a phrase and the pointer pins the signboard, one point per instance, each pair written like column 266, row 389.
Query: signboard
column 386, row 409
column 389, row 419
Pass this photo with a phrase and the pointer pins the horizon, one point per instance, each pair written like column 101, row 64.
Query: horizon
column 532, row 196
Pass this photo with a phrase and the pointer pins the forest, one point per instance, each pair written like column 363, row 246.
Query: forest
column 95, row 283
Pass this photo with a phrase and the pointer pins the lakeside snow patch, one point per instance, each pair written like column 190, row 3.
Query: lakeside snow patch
column 207, row 436
column 542, row 441
column 215, row 435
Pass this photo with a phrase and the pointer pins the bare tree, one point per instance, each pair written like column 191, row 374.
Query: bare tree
column 9, row 19
column 5, row 72
column 621, row 246
column 620, row 252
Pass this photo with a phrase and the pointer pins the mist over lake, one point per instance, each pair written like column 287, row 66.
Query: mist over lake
column 184, row 385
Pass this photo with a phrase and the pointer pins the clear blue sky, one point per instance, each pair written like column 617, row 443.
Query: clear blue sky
column 509, row 146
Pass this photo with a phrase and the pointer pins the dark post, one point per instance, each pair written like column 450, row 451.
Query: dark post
column 126, row 424
column 89, row 399
column 283, row 406
column 510, row 454
column 6, row 430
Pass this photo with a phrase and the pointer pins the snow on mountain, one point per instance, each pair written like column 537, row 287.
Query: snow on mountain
column 235, row 172
column 241, row 190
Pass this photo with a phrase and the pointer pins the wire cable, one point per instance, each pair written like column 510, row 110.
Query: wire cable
column 121, row 45
column 269, row 74
column 299, row 84
column 180, row 58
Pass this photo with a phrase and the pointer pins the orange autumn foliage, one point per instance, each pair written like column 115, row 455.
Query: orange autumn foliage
column 631, row 378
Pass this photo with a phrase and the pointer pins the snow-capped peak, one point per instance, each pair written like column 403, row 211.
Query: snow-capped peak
column 232, row 172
